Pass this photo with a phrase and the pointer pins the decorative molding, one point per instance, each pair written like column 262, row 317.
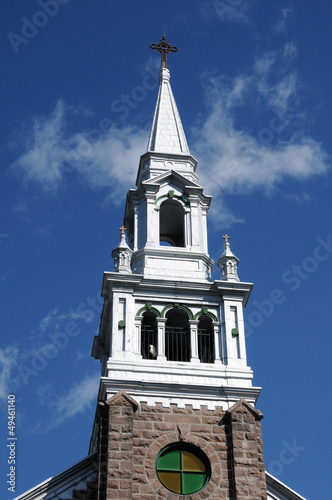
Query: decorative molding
column 171, row 196
column 206, row 312
column 121, row 398
column 149, row 307
column 179, row 306
column 241, row 405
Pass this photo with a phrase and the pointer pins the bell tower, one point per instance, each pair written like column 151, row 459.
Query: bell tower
column 175, row 385
column 176, row 414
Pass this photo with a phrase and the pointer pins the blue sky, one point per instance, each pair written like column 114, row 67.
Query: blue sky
column 252, row 81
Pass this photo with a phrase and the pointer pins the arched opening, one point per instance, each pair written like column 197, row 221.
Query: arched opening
column 172, row 223
column 177, row 336
column 149, row 336
column 205, row 339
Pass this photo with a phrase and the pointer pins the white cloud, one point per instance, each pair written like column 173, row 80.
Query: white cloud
column 82, row 356
column 47, row 320
column 44, row 152
column 54, row 319
column 282, row 92
column 280, row 27
column 290, row 51
column 79, row 398
column 111, row 161
column 233, row 11
column 103, row 159
column 301, row 198
column 8, row 363
column 21, row 206
column 265, row 62
column 229, row 158
column 234, row 160
column 52, row 336
column 276, row 83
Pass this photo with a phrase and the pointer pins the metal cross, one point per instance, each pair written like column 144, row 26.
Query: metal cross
column 226, row 238
column 164, row 48
column 122, row 229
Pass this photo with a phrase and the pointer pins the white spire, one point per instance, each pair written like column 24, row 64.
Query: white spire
column 228, row 263
column 122, row 254
column 167, row 135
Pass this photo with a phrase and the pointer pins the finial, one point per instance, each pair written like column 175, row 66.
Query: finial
column 164, row 48
column 122, row 254
column 226, row 238
column 228, row 262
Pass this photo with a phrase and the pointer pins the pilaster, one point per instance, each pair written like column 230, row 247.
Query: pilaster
column 245, row 450
column 194, row 341
column 161, row 322
column 116, row 447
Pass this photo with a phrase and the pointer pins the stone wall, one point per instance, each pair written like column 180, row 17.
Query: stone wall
column 131, row 437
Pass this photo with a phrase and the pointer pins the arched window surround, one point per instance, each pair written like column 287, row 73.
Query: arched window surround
column 149, row 335
column 177, row 335
column 172, row 223
column 206, row 339
column 182, row 202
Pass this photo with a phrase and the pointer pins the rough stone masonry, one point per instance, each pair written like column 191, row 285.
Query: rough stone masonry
column 132, row 435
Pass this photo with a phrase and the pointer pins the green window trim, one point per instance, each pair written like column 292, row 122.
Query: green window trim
column 180, row 306
column 171, row 195
column 148, row 307
column 183, row 468
column 205, row 311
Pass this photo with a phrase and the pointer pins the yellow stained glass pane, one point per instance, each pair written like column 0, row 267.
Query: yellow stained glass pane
column 171, row 480
column 191, row 462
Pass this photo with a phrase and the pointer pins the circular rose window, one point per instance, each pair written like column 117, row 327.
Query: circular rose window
column 183, row 468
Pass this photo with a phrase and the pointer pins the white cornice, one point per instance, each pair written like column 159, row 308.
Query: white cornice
column 279, row 491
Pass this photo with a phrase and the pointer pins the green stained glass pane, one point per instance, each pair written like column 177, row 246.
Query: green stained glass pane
column 191, row 462
column 182, row 469
column 192, row 482
column 170, row 461
column 171, row 480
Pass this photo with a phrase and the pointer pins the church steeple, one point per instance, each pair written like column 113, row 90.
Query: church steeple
column 175, row 412
column 169, row 333
column 171, row 338
column 167, row 134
